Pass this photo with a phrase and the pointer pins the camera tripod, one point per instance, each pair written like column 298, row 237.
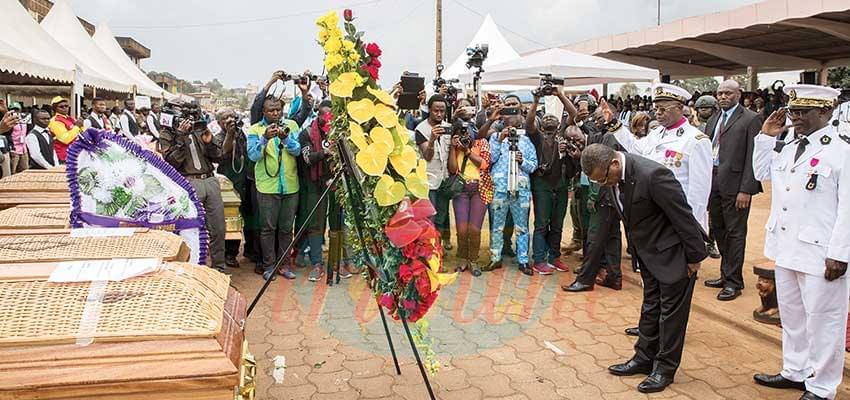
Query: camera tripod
column 348, row 174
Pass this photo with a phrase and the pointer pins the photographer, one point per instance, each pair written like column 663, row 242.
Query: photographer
column 508, row 146
column 236, row 166
column 433, row 138
column 469, row 160
column 549, row 183
column 301, row 106
column 192, row 150
column 273, row 145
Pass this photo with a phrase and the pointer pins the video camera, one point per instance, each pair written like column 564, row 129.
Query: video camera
column 303, row 79
column 173, row 114
column 547, row 85
column 451, row 90
column 477, row 55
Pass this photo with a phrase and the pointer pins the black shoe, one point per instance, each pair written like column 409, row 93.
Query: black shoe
column 230, row 261
column 632, row 331
column 576, row 287
column 578, row 270
column 259, row 270
column 712, row 249
column 492, row 266
column 728, row 294
column 508, row 252
column 526, row 269
column 778, row 382
column 811, row 396
column 715, row 283
column 654, row 383
column 630, row 368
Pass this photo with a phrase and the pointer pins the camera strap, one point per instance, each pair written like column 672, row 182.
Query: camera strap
column 193, row 151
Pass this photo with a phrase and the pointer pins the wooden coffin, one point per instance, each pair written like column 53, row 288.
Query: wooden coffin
column 185, row 342
column 34, row 217
column 232, row 216
column 50, row 245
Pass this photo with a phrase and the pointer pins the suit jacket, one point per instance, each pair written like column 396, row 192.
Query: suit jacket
column 659, row 223
column 735, row 172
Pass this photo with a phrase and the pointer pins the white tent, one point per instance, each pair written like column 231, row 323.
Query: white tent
column 577, row 69
column 499, row 51
column 105, row 40
column 20, row 31
column 16, row 62
column 62, row 24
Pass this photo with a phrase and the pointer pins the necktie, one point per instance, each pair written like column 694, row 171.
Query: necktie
column 801, row 147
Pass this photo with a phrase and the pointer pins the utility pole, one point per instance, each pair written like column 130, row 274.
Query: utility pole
column 659, row 13
column 439, row 32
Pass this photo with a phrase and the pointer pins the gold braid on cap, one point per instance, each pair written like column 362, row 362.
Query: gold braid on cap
column 794, row 101
column 661, row 94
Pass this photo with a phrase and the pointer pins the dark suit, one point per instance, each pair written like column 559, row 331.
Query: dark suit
column 665, row 237
column 734, row 175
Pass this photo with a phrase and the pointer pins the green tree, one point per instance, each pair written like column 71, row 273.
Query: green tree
column 702, row 85
column 742, row 80
column 629, row 89
column 839, row 76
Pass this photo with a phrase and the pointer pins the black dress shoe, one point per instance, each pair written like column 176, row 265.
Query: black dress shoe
column 778, row 382
column 811, row 396
column 230, row 261
column 632, row 331
column 728, row 294
column 630, row 368
column 715, row 283
column 654, row 383
column 576, row 287
column 507, row 251
column 492, row 266
column 526, row 269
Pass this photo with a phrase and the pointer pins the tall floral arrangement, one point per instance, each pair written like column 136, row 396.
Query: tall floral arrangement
column 391, row 203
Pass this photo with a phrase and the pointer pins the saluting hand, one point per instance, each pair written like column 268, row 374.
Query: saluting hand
column 607, row 114
column 834, row 269
column 774, row 125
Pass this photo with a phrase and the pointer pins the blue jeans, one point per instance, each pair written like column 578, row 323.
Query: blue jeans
column 518, row 207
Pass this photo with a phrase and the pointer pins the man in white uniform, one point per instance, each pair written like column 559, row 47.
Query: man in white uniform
column 808, row 235
column 677, row 145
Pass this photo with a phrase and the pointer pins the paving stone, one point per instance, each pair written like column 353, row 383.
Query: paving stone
column 365, row 368
column 495, row 385
column 606, row 382
column 378, row 386
column 332, row 382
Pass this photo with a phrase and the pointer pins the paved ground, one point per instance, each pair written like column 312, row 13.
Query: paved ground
column 498, row 336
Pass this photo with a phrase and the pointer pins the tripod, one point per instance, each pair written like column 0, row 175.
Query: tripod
column 348, row 174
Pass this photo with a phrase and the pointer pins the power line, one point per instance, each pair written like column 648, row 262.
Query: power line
column 245, row 21
column 501, row 26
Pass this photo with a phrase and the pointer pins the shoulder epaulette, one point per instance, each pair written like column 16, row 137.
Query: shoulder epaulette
column 702, row 136
column 844, row 138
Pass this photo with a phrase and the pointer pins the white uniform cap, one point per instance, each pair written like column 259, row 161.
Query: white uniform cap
column 811, row 96
column 666, row 91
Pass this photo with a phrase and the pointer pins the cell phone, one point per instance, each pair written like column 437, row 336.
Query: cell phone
column 509, row 111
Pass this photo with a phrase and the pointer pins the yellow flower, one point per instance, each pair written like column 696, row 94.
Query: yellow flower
column 344, row 85
column 417, row 184
column 404, row 162
column 332, row 61
column 354, row 58
column 386, row 116
column 388, row 191
column 382, row 139
column 357, row 135
column 333, row 45
column 372, row 161
column 329, row 19
column 382, row 96
column 361, row 110
column 323, row 35
column 347, row 45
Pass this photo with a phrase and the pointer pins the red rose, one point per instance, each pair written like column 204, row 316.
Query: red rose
column 388, row 301
column 372, row 70
column 375, row 62
column 405, row 273
column 423, row 286
column 408, row 304
column 373, row 50
column 348, row 15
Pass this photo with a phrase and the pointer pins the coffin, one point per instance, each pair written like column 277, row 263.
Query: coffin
column 28, row 216
column 173, row 334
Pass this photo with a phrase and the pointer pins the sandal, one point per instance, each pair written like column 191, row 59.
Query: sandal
column 476, row 269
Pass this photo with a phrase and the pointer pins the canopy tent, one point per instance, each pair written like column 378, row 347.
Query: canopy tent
column 21, row 69
column 20, row 31
column 62, row 24
column 105, row 40
column 499, row 51
column 577, row 69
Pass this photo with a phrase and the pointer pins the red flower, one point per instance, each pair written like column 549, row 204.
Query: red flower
column 348, row 15
column 373, row 50
column 372, row 70
column 388, row 301
column 423, row 286
column 408, row 304
column 405, row 273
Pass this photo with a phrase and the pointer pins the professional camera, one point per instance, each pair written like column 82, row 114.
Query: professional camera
column 173, row 114
column 451, row 90
column 303, row 79
column 547, row 85
column 462, row 129
column 477, row 55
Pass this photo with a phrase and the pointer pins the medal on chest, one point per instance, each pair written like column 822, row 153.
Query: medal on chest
column 813, row 175
column 673, row 158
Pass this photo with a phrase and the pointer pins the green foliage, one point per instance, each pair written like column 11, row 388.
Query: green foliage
column 629, row 89
column 702, row 85
column 86, row 180
column 839, row 76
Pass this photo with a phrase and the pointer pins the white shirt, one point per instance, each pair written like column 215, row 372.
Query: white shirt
column 151, row 121
column 124, row 123
column 35, row 150
column 99, row 118
column 438, row 167
column 806, row 226
column 684, row 150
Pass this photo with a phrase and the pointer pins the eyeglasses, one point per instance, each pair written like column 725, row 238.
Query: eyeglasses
column 602, row 183
column 799, row 112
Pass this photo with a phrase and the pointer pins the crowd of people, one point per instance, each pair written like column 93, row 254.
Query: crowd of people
column 678, row 171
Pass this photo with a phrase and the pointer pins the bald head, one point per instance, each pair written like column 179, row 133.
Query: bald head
column 728, row 94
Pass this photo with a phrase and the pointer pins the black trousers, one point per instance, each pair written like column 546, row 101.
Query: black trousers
column 730, row 229
column 604, row 245
column 663, row 322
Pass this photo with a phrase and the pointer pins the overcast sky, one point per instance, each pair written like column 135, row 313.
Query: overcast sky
column 243, row 41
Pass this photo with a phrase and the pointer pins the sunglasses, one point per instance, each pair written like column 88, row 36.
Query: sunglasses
column 602, row 183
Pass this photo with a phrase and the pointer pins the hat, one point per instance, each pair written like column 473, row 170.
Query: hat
column 15, row 106
column 666, row 91
column 810, row 96
column 706, row 101
column 57, row 100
